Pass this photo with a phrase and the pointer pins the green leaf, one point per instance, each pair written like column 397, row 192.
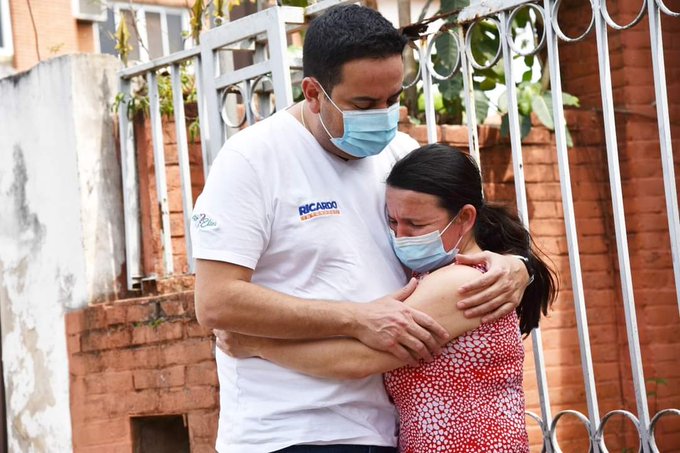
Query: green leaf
column 481, row 106
column 447, row 52
column 570, row 140
column 524, row 126
column 526, row 77
column 487, row 84
column 571, row 100
column 503, row 103
column 453, row 5
column 544, row 113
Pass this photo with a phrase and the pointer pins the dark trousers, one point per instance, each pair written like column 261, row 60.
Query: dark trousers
column 338, row 448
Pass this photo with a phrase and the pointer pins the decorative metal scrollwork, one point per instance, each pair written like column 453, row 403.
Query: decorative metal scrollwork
column 614, row 25
column 468, row 45
column 235, row 90
column 558, row 31
column 430, row 48
column 254, row 97
column 541, row 42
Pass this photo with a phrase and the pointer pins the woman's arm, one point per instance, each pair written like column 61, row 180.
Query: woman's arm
column 346, row 358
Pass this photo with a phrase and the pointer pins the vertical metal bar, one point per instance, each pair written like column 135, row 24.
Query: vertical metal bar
column 183, row 159
column 570, row 225
column 128, row 167
column 520, row 192
column 159, row 169
column 430, row 118
column 278, row 54
column 663, row 118
column 202, row 116
column 213, row 132
column 139, row 16
column 620, row 224
column 469, row 97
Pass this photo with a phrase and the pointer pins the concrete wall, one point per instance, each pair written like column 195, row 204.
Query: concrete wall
column 61, row 232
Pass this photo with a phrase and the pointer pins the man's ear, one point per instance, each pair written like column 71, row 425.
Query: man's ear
column 312, row 93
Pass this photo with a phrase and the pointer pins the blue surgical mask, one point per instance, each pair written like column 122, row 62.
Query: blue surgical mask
column 424, row 253
column 366, row 132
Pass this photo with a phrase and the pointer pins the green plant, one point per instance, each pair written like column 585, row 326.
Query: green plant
column 532, row 96
column 138, row 101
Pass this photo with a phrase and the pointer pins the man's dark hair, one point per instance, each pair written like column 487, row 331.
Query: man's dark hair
column 345, row 33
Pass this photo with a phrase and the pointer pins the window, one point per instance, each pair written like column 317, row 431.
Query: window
column 159, row 29
column 6, row 48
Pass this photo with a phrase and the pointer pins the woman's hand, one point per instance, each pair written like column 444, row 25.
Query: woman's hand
column 237, row 345
column 498, row 291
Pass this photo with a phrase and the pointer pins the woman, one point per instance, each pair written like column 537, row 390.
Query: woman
column 470, row 398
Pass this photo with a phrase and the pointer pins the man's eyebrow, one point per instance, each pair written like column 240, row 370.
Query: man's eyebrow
column 372, row 99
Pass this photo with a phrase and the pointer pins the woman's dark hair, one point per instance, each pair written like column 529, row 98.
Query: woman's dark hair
column 345, row 33
column 454, row 178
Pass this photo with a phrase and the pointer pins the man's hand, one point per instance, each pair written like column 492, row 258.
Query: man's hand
column 387, row 324
column 237, row 345
column 498, row 291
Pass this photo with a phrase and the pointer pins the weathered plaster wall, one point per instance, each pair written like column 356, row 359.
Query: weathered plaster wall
column 61, row 233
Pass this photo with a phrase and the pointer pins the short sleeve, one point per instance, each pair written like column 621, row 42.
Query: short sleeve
column 230, row 221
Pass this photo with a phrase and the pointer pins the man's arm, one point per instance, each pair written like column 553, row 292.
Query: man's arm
column 227, row 300
column 346, row 358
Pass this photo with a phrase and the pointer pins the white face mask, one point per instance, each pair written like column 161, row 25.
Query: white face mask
column 426, row 252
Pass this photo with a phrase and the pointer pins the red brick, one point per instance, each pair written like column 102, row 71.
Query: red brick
column 73, row 344
column 203, row 424
column 188, row 398
column 204, row 373
column 124, row 447
column 155, row 378
column 454, row 135
column 115, row 314
column 108, row 382
column 75, row 322
column 94, row 318
column 105, row 339
column 547, row 227
column 161, row 331
column 193, row 329
column 189, row 351
column 173, row 307
column 115, row 430
column 141, row 312
column 203, row 447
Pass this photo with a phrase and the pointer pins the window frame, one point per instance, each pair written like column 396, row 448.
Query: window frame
column 139, row 10
column 7, row 49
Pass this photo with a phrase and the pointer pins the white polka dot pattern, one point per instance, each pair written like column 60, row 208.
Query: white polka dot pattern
column 469, row 399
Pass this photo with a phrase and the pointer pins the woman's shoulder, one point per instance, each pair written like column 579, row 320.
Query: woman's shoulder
column 449, row 277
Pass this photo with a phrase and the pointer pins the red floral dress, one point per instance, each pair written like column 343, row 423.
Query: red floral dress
column 469, row 399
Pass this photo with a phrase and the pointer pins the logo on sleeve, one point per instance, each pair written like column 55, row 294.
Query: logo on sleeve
column 317, row 209
column 203, row 222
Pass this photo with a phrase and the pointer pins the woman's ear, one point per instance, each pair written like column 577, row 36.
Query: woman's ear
column 467, row 217
column 312, row 93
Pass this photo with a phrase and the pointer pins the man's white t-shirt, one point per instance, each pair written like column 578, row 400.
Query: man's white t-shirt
column 311, row 225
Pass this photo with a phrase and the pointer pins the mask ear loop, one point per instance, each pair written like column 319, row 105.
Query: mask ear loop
column 320, row 117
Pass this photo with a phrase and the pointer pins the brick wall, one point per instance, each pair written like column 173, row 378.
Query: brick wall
column 643, row 196
column 140, row 357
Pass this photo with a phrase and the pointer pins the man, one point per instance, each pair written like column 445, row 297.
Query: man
column 292, row 238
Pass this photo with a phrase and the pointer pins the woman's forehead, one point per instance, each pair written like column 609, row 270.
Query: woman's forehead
column 408, row 203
